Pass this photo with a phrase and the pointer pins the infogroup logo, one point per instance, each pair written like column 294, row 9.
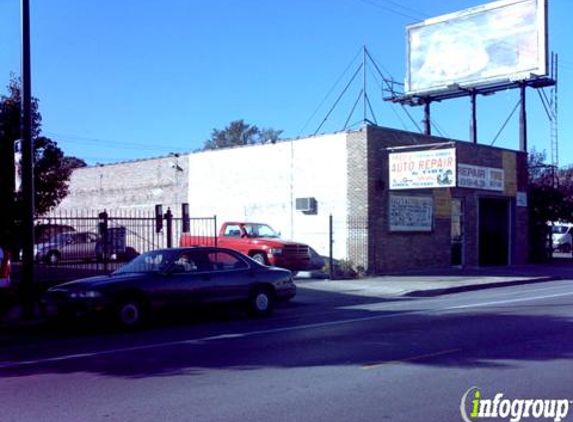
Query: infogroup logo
column 474, row 407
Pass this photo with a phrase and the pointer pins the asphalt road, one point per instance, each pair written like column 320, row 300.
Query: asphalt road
column 322, row 357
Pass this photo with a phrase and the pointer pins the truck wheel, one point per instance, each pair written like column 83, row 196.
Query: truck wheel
column 260, row 258
column 261, row 302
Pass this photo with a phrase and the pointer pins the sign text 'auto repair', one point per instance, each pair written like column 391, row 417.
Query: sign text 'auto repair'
column 423, row 169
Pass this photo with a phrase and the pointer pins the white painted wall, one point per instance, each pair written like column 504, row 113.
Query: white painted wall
column 260, row 183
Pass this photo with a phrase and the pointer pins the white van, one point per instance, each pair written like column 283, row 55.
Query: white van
column 562, row 237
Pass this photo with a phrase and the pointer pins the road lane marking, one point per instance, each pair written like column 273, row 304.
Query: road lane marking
column 410, row 359
column 12, row 364
column 501, row 302
column 56, row 359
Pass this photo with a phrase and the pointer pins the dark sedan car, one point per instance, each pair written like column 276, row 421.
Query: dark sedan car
column 172, row 278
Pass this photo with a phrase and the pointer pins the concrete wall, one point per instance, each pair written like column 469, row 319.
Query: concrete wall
column 134, row 185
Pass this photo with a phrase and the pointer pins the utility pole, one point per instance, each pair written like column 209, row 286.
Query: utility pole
column 27, row 274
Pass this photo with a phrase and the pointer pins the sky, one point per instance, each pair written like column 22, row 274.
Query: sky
column 121, row 80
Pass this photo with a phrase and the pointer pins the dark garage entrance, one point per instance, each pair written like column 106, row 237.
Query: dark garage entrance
column 493, row 231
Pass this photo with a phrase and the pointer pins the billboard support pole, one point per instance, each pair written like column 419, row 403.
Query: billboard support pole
column 522, row 120
column 473, row 120
column 427, row 121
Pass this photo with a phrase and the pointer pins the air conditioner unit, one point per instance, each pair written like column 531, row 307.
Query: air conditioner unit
column 306, row 205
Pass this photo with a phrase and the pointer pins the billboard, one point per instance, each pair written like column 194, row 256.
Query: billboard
column 496, row 42
column 422, row 169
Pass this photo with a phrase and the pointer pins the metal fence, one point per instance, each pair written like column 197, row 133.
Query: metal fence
column 76, row 244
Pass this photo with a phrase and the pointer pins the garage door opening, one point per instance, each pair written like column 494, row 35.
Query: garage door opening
column 493, row 232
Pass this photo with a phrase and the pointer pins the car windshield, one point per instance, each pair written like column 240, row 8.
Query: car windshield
column 149, row 262
column 560, row 229
column 260, row 230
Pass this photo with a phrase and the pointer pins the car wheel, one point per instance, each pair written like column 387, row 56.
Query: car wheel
column 261, row 302
column 53, row 257
column 131, row 313
column 260, row 258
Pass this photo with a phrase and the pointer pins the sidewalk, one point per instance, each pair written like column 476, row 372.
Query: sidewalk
column 413, row 284
column 438, row 282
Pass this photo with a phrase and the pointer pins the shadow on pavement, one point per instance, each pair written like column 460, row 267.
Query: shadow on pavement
column 302, row 335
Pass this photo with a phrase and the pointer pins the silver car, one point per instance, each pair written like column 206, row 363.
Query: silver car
column 68, row 246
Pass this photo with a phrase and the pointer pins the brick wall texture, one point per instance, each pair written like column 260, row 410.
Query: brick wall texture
column 368, row 196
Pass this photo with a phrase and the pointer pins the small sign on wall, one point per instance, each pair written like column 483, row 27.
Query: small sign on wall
column 477, row 177
column 521, row 199
column 410, row 213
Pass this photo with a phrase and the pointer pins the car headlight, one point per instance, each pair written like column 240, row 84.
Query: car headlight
column 87, row 294
column 275, row 251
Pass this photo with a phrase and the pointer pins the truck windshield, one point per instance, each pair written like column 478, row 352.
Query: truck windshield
column 560, row 229
column 260, row 230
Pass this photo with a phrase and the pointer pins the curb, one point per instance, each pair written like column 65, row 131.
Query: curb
column 474, row 287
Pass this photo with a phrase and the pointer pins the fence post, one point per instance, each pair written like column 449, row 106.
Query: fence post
column 158, row 218
column 169, row 231
column 102, row 228
column 185, row 220
column 330, row 246
column 215, row 234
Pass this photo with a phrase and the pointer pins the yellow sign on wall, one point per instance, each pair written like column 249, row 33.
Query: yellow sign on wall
column 510, row 169
column 442, row 202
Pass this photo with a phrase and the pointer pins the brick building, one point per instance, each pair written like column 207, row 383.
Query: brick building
column 296, row 185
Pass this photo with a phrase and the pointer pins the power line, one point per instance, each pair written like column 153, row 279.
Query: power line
column 76, row 139
column 391, row 9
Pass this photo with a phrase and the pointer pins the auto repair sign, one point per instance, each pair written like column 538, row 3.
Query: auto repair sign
column 423, row 169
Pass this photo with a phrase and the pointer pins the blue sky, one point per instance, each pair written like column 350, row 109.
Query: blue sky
column 127, row 79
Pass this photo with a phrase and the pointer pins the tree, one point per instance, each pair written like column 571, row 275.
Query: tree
column 239, row 133
column 550, row 198
column 52, row 168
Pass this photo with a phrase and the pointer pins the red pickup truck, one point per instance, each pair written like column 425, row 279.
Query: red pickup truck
column 259, row 241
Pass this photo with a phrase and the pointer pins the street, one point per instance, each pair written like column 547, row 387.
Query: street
column 324, row 356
